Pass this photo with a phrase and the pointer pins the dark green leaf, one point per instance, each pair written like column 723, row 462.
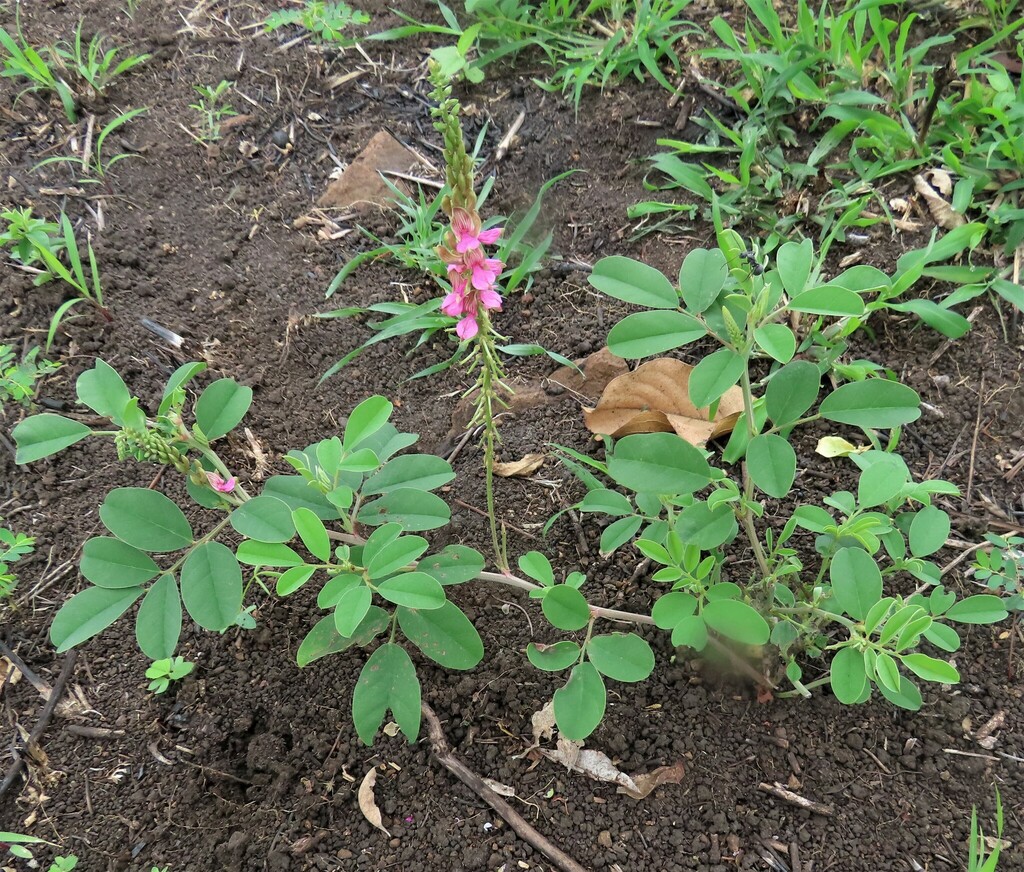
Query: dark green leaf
column 791, row 392
column 254, row 553
column 103, row 390
column 621, row 656
column 671, row 608
column 88, row 613
column 211, row 586
column 145, row 519
column 110, row 563
column 856, row 581
column 414, row 590
column 702, row 277
column 221, row 407
column 777, row 340
column 387, row 681
column 42, row 435
column 423, row 472
column 352, row 608
column 649, row 333
column 828, row 300
column 565, row 607
column 737, row 621
column 292, row 579
column 158, row 624
column 265, row 518
column 312, row 532
column 394, row 555
column 714, row 375
column 445, row 635
column 579, row 705
column 928, row 531
column 413, row 509
column 847, row 675
column 553, row 658
column 297, row 493
column 771, row 463
column 633, row 282
column 325, row 639
column 873, row 403
column 456, row 564
column 658, row 463
column 705, row 527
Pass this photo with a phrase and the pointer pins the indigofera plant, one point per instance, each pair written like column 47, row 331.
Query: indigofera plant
column 837, row 593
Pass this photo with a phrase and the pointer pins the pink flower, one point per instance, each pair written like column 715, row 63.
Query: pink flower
column 468, row 235
column 484, row 270
column 491, row 299
column 467, row 328
column 219, row 484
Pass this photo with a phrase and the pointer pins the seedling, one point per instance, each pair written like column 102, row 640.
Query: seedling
column 325, row 21
column 981, row 858
column 93, row 163
column 13, row 547
column 26, row 235
column 163, row 672
column 212, row 111
column 22, row 61
column 92, row 64
column 18, row 379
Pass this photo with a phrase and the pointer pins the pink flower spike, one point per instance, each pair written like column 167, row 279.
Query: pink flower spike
column 489, row 237
column 491, row 299
column 219, row 484
column 467, row 328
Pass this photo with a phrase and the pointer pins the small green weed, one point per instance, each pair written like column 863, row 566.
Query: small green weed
column 980, row 858
column 13, row 547
column 18, row 380
column 93, row 163
column 92, row 65
column 163, row 672
column 25, row 235
column 326, row 22
column 22, row 61
column 213, row 112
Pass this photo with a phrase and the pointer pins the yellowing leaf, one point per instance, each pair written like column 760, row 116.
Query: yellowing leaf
column 836, row 446
column 655, row 398
column 367, row 803
column 941, row 211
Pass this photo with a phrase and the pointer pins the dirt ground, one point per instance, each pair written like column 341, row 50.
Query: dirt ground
column 251, row 763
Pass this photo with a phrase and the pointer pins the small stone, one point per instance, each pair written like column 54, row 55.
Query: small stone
column 280, row 138
column 604, row 839
column 855, row 741
column 344, row 854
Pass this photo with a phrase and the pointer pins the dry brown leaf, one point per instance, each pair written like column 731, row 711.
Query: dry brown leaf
column 543, row 723
column 527, row 465
column 391, row 729
column 10, row 675
column 941, row 211
column 597, row 765
column 648, row 781
column 367, row 804
column 655, row 398
column 940, row 180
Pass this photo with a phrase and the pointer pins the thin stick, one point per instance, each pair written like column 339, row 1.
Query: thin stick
column 787, row 795
column 32, row 678
column 43, row 722
column 506, row 140
column 974, row 447
column 447, row 758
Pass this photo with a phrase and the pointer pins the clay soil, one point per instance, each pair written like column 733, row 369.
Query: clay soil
column 251, row 763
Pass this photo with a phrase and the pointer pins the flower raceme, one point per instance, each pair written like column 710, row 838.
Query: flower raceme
column 473, row 275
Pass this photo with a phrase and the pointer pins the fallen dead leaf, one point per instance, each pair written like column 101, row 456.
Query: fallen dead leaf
column 941, row 211
column 940, row 180
column 391, row 729
column 526, row 465
column 836, row 446
column 367, row 804
column 543, row 723
column 598, row 766
column 499, row 788
column 655, row 398
column 10, row 675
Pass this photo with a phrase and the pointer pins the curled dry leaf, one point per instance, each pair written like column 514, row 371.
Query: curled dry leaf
column 543, row 725
column 527, row 465
column 655, row 398
column 367, row 804
column 941, row 211
column 597, row 765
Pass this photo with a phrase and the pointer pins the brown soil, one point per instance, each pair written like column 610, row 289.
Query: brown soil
column 252, row 764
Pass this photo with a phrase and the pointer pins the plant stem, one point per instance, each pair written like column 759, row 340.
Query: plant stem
column 745, row 515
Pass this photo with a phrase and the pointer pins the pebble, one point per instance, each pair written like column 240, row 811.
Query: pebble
column 604, row 839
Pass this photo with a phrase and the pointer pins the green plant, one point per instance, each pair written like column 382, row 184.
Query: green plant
column 591, row 43
column 25, row 235
column 18, row 379
column 21, row 61
column 325, row 21
column 843, row 602
column 13, row 547
column 211, row 109
column 979, row 857
column 1001, row 568
column 93, row 163
column 92, row 65
column 162, row 672
column 87, row 288
column 64, row 864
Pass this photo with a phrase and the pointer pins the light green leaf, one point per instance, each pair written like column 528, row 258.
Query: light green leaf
column 737, row 621
column 671, row 608
column 292, row 579
column 394, row 555
column 103, row 390
column 445, row 635
column 265, row 518
column 312, row 532
column 619, row 532
column 366, row 419
column 158, row 624
column 456, row 564
column 776, row 340
column 414, row 509
column 607, row 502
column 771, row 463
column 828, row 300
column 981, row 609
column 88, row 613
column 621, row 656
column 254, row 553
column 794, row 260
column 221, row 407
column 332, row 592
column 325, row 639
column 705, row 527
column 580, row 704
column 931, row 669
column 928, row 531
column 40, row 436
column 872, row 403
column 856, row 581
column 352, row 608
column 110, row 563
column 387, row 681
column 179, row 378
column 145, row 519
column 658, row 463
column 648, row 333
column 295, row 492
column 565, row 607
column 714, row 375
column 691, row 632
column 414, row 590
column 211, row 586
column 553, row 658
column 702, row 277
column 847, row 675
column 791, row 392
column 423, row 472
column 538, row 567
column 633, row 282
